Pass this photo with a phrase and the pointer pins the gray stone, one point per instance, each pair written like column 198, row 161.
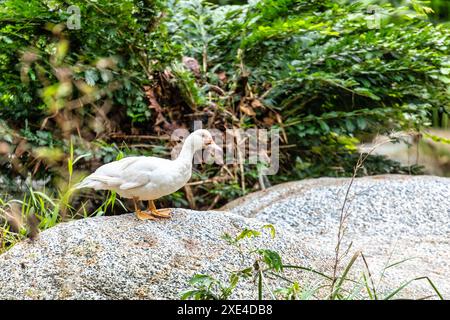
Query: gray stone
column 120, row 257
column 390, row 218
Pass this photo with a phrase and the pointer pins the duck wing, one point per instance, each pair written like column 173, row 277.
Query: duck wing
column 139, row 173
column 124, row 174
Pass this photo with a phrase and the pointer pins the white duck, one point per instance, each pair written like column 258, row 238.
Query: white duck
column 149, row 178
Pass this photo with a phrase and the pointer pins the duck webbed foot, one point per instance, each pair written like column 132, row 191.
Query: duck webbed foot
column 141, row 215
column 161, row 213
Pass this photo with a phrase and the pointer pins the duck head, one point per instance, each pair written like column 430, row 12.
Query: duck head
column 198, row 140
column 201, row 139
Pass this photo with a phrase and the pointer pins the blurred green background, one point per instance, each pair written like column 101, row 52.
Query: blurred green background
column 319, row 71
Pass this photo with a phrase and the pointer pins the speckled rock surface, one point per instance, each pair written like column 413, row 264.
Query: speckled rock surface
column 122, row 258
column 390, row 218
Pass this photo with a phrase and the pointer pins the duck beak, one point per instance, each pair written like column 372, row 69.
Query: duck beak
column 213, row 145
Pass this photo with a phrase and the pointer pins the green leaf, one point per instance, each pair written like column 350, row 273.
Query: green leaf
column 362, row 123
column 271, row 229
column 272, row 259
column 248, row 233
column 202, row 279
column 366, row 92
column 324, row 126
column 91, row 77
column 349, row 124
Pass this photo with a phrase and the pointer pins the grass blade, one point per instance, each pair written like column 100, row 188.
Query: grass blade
column 344, row 275
column 403, row 286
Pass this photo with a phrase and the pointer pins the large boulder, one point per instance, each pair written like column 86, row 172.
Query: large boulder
column 391, row 218
column 120, row 257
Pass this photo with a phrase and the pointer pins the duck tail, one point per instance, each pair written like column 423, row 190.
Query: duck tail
column 88, row 182
column 97, row 182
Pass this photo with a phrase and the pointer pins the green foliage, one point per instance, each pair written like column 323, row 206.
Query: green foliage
column 441, row 10
column 40, row 210
column 209, row 288
column 437, row 10
column 57, row 83
column 125, row 31
column 263, row 262
column 320, row 67
column 316, row 70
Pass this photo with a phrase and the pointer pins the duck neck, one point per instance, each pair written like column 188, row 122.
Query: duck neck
column 187, row 151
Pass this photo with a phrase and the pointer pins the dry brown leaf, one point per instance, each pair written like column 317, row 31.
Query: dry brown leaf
column 247, row 110
column 33, row 227
column 268, row 121
column 4, row 148
column 21, row 148
column 257, row 104
column 14, row 217
column 150, row 94
column 190, row 196
column 222, row 76
column 160, row 119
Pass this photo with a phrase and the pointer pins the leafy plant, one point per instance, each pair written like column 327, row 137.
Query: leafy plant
column 264, row 261
column 319, row 72
column 316, row 70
